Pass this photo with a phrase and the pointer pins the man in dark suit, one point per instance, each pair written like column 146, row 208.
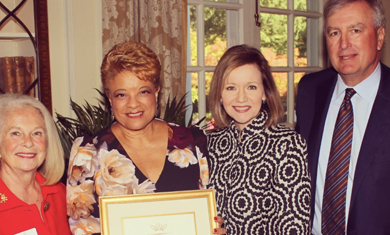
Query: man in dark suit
column 354, row 31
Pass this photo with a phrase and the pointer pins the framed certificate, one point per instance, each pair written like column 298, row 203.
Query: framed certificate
column 173, row 213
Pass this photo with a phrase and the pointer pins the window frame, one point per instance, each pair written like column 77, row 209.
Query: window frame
column 290, row 69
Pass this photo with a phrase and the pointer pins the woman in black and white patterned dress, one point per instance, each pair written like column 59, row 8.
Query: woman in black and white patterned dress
column 258, row 168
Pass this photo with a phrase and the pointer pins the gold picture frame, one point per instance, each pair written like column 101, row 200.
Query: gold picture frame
column 182, row 212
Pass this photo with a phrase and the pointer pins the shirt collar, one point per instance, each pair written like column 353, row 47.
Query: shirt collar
column 255, row 127
column 367, row 89
column 12, row 201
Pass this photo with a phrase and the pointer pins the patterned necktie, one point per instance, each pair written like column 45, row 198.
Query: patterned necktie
column 333, row 205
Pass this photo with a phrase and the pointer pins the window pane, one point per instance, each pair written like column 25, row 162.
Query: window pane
column 215, row 34
column 306, row 5
column 273, row 37
column 281, row 84
column 208, row 76
column 195, row 98
column 297, row 78
column 306, row 45
column 300, row 55
column 300, row 5
column 193, row 36
column 281, row 4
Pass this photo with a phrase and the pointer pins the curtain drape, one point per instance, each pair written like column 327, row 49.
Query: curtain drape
column 160, row 24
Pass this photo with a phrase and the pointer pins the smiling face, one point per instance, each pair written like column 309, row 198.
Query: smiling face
column 133, row 100
column 242, row 94
column 23, row 140
column 353, row 43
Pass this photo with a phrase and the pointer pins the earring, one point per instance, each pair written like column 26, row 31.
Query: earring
column 112, row 115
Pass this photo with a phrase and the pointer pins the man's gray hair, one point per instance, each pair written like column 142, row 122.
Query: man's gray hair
column 378, row 11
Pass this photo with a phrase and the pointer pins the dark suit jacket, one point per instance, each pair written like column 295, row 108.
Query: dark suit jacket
column 370, row 201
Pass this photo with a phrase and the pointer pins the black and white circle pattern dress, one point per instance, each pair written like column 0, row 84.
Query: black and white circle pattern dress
column 262, row 182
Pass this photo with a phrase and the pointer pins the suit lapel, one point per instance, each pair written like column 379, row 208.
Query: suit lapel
column 322, row 100
column 376, row 133
column 323, row 96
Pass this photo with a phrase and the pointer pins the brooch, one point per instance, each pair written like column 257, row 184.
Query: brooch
column 3, row 198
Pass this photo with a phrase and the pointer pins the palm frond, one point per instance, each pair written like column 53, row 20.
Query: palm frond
column 175, row 110
column 89, row 120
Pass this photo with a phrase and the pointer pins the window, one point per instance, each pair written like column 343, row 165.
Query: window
column 292, row 43
column 213, row 26
column 289, row 38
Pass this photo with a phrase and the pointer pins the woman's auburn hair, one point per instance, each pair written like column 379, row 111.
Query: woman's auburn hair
column 54, row 164
column 233, row 58
column 134, row 57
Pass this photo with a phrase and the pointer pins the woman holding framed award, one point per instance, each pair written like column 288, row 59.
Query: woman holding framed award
column 139, row 153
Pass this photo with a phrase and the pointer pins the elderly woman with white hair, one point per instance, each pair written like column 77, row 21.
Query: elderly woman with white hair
column 32, row 201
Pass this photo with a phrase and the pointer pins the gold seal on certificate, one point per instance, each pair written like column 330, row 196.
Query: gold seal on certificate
column 174, row 213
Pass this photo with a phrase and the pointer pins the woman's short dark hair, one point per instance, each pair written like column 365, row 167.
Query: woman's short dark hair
column 233, row 58
column 134, row 57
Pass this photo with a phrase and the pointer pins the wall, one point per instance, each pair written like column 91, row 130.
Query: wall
column 75, row 51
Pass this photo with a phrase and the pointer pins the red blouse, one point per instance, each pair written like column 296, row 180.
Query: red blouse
column 17, row 216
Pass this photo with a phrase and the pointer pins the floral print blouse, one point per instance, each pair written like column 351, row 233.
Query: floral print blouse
column 100, row 166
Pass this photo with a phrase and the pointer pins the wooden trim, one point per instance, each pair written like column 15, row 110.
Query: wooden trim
column 43, row 55
column 184, row 22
